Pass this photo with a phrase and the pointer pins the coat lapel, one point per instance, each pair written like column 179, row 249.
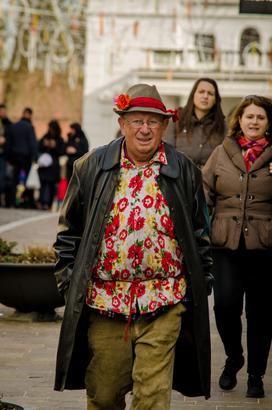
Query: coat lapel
column 235, row 153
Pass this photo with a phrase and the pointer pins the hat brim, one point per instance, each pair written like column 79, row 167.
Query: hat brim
column 143, row 109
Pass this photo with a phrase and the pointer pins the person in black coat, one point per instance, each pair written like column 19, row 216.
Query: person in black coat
column 76, row 146
column 21, row 151
column 51, row 144
column 144, row 202
column 5, row 166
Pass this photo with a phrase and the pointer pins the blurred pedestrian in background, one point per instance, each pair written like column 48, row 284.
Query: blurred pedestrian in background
column 2, row 163
column 238, row 186
column 21, row 152
column 3, row 116
column 5, row 166
column 77, row 145
column 51, row 147
column 201, row 125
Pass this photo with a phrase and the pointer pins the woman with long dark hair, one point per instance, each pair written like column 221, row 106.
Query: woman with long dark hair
column 51, row 147
column 77, row 145
column 201, row 125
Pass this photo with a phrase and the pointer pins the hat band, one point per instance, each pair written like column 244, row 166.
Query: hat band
column 123, row 102
column 147, row 102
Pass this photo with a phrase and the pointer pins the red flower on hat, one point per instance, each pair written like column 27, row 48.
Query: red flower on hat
column 122, row 101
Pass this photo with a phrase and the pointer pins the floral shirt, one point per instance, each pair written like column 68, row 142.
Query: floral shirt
column 139, row 265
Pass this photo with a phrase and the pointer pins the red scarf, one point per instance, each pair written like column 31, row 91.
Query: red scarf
column 252, row 149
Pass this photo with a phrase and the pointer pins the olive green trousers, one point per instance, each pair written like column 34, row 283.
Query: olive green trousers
column 143, row 363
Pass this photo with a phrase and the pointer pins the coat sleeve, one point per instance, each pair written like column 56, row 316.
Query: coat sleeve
column 33, row 144
column 69, row 233
column 209, row 180
column 201, row 227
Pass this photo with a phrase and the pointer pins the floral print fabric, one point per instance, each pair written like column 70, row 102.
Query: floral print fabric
column 139, row 264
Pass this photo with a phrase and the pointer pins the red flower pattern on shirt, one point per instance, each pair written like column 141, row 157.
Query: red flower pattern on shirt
column 140, row 260
column 148, row 243
column 136, row 183
column 122, row 204
column 123, row 234
column 148, row 201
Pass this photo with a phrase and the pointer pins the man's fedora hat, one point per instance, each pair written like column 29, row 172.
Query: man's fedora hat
column 142, row 97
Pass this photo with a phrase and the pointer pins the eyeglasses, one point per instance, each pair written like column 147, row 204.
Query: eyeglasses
column 137, row 124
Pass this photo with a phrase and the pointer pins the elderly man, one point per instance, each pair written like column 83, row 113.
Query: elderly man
column 133, row 255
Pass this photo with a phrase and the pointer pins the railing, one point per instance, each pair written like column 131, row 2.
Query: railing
column 215, row 60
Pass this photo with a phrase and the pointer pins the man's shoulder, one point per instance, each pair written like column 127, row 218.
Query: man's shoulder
column 22, row 124
column 103, row 155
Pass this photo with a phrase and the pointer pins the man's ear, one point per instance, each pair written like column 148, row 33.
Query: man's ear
column 121, row 122
column 165, row 123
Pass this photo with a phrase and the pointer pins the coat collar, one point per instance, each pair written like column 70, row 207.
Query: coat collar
column 112, row 157
column 234, row 151
column 264, row 158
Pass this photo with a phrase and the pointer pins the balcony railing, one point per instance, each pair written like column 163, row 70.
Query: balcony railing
column 215, row 60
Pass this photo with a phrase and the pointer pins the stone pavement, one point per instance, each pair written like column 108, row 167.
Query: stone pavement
column 28, row 349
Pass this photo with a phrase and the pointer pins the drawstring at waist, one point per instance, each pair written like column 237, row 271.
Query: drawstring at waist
column 134, row 285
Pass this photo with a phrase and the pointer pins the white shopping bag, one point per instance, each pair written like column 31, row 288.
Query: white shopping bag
column 33, row 180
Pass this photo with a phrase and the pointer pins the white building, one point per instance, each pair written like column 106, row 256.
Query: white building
column 171, row 44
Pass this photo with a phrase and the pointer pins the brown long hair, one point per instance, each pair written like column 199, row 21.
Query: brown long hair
column 234, row 129
column 218, row 126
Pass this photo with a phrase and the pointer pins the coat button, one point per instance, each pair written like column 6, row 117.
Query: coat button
column 250, row 197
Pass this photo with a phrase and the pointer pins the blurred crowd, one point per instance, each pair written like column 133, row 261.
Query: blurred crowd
column 51, row 156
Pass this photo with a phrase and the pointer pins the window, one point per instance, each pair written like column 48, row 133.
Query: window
column 205, row 47
column 167, row 58
column 250, row 46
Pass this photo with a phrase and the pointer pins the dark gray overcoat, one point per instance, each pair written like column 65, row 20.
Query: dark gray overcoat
column 82, row 221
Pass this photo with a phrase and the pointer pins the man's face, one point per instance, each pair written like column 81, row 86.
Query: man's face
column 2, row 112
column 143, row 134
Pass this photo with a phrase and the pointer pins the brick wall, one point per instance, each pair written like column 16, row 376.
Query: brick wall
column 23, row 89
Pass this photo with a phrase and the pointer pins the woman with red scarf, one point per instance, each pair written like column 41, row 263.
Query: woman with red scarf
column 238, row 187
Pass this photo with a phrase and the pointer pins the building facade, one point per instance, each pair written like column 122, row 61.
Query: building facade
column 171, row 44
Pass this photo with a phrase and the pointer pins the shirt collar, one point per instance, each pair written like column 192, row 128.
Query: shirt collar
column 159, row 157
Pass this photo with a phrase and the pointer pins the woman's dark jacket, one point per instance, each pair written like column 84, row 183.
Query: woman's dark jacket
column 80, row 143
column 51, row 173
column 82, row 221
column 201, row 143
column 21, row 142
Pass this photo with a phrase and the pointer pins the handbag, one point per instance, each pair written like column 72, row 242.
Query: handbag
column 33, row 180
column 45, row 160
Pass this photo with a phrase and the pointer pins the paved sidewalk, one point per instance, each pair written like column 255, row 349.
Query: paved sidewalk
column 28, row 349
